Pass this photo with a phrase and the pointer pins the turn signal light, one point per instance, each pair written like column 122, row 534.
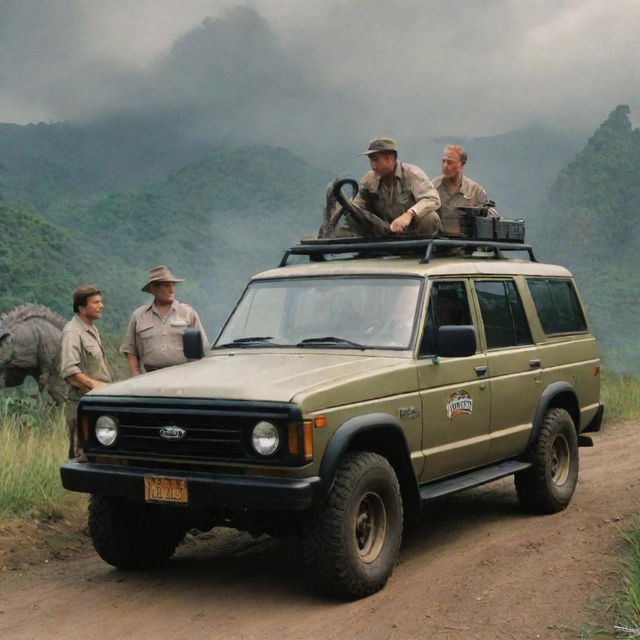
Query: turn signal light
column 307, row 432
column 306, row 446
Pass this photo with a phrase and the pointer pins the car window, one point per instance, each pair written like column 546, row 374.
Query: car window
column 448, row 305
column 505, row 323
column 557, row 305
column 335, row 312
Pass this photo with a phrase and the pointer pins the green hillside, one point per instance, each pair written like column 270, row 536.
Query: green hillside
column 221, row 218
column 517, row 168
column 42, row 263
column 32, row 261
column 592, row 225
column 58, row 167
column 214, row 222
column 40, row 185
column 106, row 155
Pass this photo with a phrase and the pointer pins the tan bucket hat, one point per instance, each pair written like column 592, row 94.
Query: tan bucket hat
column 159, row 274
column 381, row 144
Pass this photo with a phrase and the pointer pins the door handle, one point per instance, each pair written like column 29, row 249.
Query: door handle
column 534, row 364
column 481, row 371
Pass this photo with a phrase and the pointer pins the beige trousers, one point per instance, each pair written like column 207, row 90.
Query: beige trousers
column 70, row 413
column 429, row 225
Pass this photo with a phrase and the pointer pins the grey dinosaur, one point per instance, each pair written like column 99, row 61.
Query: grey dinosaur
column 30, row 337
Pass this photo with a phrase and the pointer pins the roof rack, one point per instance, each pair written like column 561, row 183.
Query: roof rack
column 317, row 249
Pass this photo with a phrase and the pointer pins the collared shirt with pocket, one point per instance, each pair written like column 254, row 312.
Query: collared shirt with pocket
column 82, row 352
column 156, row 339
column 470, row 194
column 410, row 190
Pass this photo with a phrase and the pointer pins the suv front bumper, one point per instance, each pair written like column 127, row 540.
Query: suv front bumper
column 206, row 490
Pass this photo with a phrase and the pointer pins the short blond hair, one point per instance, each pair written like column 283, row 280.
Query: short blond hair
column 460, row 150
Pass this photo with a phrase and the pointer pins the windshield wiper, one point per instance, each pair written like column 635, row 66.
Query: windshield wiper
column 329, row 340
column 247, row 342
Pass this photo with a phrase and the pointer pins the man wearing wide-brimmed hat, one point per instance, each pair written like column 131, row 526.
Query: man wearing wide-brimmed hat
column 154, row 335
column 397, row 193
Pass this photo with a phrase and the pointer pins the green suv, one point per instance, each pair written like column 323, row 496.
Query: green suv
column 344, row 392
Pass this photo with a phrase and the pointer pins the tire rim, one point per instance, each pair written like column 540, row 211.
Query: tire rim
column 560, row 460
column 371, row 527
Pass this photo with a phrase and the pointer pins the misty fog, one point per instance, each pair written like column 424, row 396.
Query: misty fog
column 323, row 78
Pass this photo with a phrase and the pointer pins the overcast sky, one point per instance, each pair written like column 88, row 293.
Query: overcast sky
column 276, row 71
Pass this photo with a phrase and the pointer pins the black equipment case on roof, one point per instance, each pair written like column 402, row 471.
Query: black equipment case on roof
column 473, row 222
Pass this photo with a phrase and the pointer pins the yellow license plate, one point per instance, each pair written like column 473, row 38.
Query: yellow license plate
column 159, row 489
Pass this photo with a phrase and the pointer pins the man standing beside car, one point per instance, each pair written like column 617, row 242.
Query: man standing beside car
column 82, row 361
column 154, row 335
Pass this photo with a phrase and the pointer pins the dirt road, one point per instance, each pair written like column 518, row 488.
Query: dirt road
column 474, row 566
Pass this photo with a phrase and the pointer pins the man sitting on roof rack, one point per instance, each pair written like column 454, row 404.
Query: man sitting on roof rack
column 456, row 190
column 394, row 197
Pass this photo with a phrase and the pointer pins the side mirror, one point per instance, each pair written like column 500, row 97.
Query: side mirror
column 456, row 341
column 192, row 344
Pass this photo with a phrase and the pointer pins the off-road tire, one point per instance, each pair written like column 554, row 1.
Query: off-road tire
column 351, row 541
column 548, row 485
column 132, row 535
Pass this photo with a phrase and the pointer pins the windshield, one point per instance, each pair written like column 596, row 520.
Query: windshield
column 354, row 312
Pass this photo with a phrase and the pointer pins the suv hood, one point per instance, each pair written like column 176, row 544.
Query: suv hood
column 276, row 377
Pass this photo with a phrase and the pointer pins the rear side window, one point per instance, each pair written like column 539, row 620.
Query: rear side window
column 557, row 305
column 505, row 323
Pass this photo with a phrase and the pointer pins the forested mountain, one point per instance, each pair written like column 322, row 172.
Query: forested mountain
column 42, row 263
column 214, row 222
column 103, row 205
column 58, row 168
column 517, row 168
column 592, row 225
column 32, row 261
column 107, row 155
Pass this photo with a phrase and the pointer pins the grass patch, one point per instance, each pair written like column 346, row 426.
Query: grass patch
column 629, row 601
column 621, row 397
column 33, row 443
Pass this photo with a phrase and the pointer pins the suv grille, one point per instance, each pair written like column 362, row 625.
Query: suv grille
column 207, row 429
column 205, row 436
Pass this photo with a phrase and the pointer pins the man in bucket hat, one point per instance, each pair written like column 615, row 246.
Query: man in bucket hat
column 154, row 335
column 398, row 193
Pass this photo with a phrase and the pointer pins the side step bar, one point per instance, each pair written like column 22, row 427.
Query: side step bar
column 471, row 479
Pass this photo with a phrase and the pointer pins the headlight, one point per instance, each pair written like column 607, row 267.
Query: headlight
column 106, row 430
column 265, row 438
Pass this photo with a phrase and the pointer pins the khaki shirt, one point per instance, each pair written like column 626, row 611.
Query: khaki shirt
column 82, row 352
column 470, row 194
column 156, row 340
column 410, row 190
